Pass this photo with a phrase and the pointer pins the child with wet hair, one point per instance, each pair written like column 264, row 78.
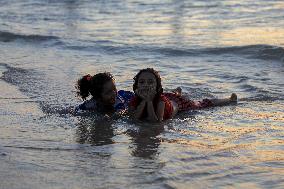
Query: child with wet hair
column 104, row 96
column 151, row 103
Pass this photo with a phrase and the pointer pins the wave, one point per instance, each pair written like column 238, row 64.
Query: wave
column 71, row 148
column 267, row 52
column 262, row 98
column 252, row 51
column 9, row 37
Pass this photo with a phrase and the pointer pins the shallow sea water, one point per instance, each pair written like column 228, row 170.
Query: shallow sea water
column 209, row 48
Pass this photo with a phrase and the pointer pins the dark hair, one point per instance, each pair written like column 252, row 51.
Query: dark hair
column 159, row 88
column 92, row 84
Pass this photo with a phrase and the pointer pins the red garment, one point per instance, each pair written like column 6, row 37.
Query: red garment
column 168, row 111
column 185, row 104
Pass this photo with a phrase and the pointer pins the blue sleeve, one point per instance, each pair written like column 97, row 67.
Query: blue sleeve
column 87, row 105
column 80, row 107
column 126, row 95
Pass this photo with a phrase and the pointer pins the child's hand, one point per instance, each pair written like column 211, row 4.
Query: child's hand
column 141, row 93
column 147, row 94
column 151, row 94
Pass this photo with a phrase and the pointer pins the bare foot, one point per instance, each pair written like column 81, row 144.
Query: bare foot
column 234, row 97
column 177, row 91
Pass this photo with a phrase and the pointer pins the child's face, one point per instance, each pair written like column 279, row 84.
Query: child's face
column 147, row 81
column 108, row 95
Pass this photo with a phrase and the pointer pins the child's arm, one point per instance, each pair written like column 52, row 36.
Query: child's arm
column 151, row 111
column 225, row 101
column 152, row 115
column 137, row 112
column 160, row 110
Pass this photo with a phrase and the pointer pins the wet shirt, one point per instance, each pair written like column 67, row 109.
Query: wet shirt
column 185, row 104
column 121, row 102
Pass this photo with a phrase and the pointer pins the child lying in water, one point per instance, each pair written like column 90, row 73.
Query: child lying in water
column 105, row 97
column 151, row 103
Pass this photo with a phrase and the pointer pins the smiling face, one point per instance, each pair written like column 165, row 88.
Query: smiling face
column 147, row 81
column 108, row 94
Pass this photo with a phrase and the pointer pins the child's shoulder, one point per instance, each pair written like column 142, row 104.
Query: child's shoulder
column 87, row 105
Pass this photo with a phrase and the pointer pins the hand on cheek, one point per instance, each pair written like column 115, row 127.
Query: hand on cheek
column 151, row 94
column 147, row 94
column 141, row 93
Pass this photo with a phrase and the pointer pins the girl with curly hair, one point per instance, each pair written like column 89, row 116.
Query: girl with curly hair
column 151, row 103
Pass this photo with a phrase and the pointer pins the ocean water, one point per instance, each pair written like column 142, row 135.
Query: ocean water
column 209, row 48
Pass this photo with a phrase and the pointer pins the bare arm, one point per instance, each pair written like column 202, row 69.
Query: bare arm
column 160, row 110
column 137, row 112
column 225, row 101
column 151, row 112
column 220, row 102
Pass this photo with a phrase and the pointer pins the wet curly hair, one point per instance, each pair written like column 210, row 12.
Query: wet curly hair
column 159, row 88
column 92, row 85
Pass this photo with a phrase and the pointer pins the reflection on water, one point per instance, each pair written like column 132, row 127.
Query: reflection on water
column 96, row 131
column 72, row 17
column 253, row 35
column 180, row 23
column 99, row 130
column 145, row 140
